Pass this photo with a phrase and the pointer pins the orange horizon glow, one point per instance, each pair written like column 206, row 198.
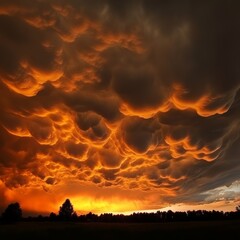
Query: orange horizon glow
column 34, row 202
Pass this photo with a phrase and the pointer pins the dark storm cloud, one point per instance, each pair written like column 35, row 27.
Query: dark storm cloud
column 21, row 41
column 138, row 87
column 133, row 94
column 138, row 133
column 104, row 105
column 75, row 150
column 50, row 181
column 24, row 56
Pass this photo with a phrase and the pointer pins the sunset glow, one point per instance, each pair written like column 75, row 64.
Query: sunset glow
column 120, row 107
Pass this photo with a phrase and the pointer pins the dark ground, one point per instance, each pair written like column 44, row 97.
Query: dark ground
column 230, row 229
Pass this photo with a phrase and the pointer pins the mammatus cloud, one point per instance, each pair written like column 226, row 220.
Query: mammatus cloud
column 120, row 106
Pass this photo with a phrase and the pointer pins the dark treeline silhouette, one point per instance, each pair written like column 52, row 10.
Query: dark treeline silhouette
column 66, row 212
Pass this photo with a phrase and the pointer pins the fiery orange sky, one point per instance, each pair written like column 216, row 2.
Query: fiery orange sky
column 119, row 105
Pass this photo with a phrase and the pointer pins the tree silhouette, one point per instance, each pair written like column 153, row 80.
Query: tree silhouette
column 12, row 213
column 238, row 208
column 66, row 210
column 52, row 216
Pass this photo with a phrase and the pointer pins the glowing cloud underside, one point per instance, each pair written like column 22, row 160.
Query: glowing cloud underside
column 119, row 106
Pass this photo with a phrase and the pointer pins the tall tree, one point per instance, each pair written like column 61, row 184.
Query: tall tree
column 13, row 212
column 66, row 210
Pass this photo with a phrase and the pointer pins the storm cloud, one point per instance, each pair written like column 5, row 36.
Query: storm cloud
column 123, row 97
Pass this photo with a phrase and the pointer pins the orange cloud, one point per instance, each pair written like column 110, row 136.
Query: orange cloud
column 119, row 107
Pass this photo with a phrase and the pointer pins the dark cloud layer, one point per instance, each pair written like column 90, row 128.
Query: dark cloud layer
column 129, row 95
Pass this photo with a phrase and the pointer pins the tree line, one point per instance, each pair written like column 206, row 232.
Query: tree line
column 13, row 213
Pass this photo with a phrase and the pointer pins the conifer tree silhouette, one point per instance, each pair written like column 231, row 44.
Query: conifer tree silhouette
column 66, row 210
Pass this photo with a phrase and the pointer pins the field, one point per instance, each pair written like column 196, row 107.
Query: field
column 178, row 230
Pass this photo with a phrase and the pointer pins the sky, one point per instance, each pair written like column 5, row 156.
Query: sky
column 120, row 106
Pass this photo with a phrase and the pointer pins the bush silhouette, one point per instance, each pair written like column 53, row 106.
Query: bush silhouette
column 12, row 213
